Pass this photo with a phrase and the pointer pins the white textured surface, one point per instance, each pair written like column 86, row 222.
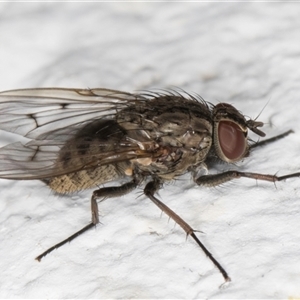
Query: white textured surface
column 243, row 53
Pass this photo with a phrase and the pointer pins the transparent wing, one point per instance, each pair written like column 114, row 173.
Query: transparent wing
column 48, row 118
column 21, row 162
column 52, row 113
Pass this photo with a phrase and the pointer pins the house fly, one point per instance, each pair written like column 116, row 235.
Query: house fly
column 82, row 138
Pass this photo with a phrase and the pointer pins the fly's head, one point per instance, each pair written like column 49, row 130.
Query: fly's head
column 231, row 131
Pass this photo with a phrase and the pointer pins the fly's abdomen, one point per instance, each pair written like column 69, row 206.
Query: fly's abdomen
column 84, row 179
column 82, row 160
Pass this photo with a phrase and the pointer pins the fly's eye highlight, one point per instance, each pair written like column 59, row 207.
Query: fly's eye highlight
column 232, row 141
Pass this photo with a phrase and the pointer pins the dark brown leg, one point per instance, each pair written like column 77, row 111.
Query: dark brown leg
column 149, row 191
column 103, row 193
column 216, row 179
column 271, row 140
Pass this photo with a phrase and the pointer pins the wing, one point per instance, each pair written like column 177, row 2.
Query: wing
column 46, row 113
column 48, row 118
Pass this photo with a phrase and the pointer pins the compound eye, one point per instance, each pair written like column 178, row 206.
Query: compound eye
column 232, row 140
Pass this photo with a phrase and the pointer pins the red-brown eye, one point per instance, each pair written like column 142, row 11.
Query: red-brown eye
column 231, row 140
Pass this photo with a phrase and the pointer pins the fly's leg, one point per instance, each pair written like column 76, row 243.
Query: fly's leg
column 216, row 179
column 271, row 140
column 69, row 239
column 149, row 191
column 103, row 193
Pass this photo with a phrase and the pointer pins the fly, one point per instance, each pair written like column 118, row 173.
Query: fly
column 82, row 138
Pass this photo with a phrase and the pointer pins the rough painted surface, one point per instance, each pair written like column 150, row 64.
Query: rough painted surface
column 247, row 54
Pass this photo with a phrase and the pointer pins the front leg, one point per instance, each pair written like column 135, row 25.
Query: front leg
column 216, row 179
column 271, row 140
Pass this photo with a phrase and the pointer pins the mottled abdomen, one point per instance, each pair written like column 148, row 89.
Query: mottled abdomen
column 81, row 158
column 84, row 179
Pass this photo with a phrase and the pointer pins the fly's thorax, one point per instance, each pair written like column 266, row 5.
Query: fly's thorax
column 186, row 147
column 165, row 110
column 180, row 137
column 170, row 162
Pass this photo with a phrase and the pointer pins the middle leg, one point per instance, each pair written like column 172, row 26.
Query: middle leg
column 149, row 191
